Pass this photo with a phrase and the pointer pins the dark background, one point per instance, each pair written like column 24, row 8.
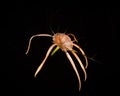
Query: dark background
column 92, row 25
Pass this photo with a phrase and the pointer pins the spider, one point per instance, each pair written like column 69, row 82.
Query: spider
column 63, row 41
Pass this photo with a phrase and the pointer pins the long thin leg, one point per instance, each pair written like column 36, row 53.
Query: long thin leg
column 73, row 37
column 74, row 67
column 36, row 36
column 83, row 53
column 47, row 54
column 78, row 59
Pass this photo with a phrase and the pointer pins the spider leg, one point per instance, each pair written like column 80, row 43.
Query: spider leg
column 74, row 67
column 36, row 36
column 73, row 37
column 82, row 54
column 78, row 59
column 47, row 54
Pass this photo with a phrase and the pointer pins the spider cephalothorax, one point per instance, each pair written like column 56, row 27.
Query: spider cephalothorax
column 63, row 42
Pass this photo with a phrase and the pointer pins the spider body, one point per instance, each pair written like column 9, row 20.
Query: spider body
column 63, row 42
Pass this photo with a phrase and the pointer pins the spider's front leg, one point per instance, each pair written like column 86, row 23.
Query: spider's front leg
column 37, row 35
column 47, row 54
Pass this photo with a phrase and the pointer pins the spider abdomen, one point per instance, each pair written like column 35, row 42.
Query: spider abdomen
column 63, row 41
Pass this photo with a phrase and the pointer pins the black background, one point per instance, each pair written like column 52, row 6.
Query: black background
column 93, row 27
